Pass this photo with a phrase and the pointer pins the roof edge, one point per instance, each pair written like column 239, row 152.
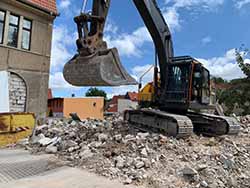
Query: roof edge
column 39, row 8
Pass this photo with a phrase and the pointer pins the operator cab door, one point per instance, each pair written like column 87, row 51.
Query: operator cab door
column 200, row 85
column 176, row 95
column 205, row 87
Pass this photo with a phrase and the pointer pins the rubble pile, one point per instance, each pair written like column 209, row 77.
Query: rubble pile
column 111, row 149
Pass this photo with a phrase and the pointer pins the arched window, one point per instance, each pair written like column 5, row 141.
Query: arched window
column 17, row 93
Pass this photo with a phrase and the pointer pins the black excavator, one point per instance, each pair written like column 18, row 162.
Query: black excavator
column 180, row 88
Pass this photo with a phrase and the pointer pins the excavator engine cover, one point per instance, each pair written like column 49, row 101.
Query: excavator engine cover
column 102, row 68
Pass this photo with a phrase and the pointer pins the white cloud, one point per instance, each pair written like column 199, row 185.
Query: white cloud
column 64, row 4
column 110, row 27
column 129, row 44
column 247, row 61
column 206, row 40
column 62, row 41
column 207, row 4
column 240, row 3
column 139, row 71
column 172, row 18
column 58, row 82
column 225, row 66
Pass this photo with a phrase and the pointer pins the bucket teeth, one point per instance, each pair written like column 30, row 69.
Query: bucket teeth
column 100, row 69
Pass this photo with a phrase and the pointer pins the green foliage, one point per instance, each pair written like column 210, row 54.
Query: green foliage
column 238, row 93
column 240, row 54
column 95, row 92
column 219, row 80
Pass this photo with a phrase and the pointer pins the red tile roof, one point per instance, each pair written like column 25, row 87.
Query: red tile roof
column 222, row 86
column 49, row 5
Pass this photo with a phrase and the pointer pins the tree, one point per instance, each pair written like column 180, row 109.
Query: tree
column 95, row 92
column 240, row 55
column 219, row 80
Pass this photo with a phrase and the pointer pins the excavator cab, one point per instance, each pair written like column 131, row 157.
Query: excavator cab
column 188, row 85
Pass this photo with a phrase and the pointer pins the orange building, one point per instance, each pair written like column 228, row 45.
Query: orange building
column 87, row 107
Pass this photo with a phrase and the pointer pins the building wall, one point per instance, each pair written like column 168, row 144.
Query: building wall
column 84, row 107
column 17, row 93
column 33, row 66
column 126, row 104
column 112, row 106
column 55, row 106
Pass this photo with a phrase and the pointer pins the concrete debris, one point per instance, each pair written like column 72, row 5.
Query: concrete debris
column 187, row 171
column 102, row 137
column 119, row 162
column 144, row 152
column 139, row 164
column 204, row 184
column 45, row 141
column 87, row 153
column 128, row 181
column 201, row 167
column 51, row 149
column 118, row 137
column 109, row 148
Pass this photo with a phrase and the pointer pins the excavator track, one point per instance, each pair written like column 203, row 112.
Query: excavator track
column 213, row 125
column 158, row 121
column 182, row 126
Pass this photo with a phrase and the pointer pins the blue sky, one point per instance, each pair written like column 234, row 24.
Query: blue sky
column 207, row 30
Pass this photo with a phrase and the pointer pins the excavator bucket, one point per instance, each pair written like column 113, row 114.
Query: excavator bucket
column 100, row 69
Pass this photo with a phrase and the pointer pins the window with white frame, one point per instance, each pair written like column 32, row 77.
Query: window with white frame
column 2, row 21
column 13, row 30
column 26, row 34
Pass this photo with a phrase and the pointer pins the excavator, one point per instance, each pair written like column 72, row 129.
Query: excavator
column 174, row 102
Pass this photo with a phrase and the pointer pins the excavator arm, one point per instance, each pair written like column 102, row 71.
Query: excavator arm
column 90, row 28
column 96, row 65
